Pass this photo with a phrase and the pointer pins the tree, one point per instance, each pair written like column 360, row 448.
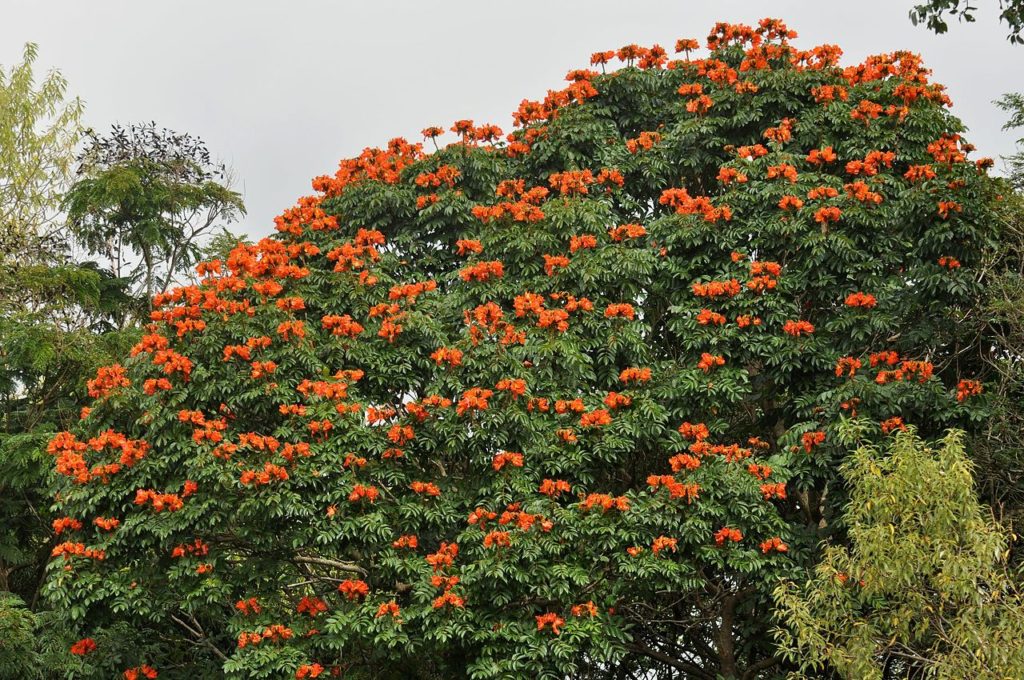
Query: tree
column 923, row 586
column 563, row 405
column 932, row 14
column 39, row 129
column 998, row 449
column 146, row 199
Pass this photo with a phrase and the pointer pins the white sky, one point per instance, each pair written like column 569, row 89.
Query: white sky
column 282, row 90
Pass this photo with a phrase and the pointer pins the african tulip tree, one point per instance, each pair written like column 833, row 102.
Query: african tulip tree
column 562, row 404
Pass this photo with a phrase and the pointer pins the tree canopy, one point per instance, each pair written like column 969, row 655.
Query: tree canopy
column 149, row 193
column 569, row 401
column 924, row 585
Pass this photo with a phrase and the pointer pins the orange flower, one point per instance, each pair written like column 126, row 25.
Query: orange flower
column 360, row 492
column 497, row 539
column 822, row 192
column 743, row 321
column 663, row 543
column 83, row 647
column 729, row 175
column 812, row 439
column 108, row 378
column 106, row 523
column 550, row 619
column 860, row 191
column 713, row 289
column 968, row 388
column 408, row 541
column 917, row 173
column 449, row 599
column 619, row 310
column 142, row 671
column 821, row 156
column 447, row 355
column 646, row 141
column 824, row 94
column 469, row 246
column 390, row 608
column 727, row 534
column 947, row 207
column 847, row 366
column 312, row 670
column 474, row 399
column 709, row 361
column 507, row 458
column 860, row 299
column 798, row 328
column 596, row 418
column 444, row 557
column 615, row 400
column 583, row 241
column 168, row 501
column 604, row 501
column 554, row 262
column 554, row 487
column 425, row 488
column 626, row 231
column 686, row 45
column 891, row 424
column 826, row 215
column 634, row 374
column 783, row 170
column 312, row 606
column 775, row 544
column 514, row 386
column 588, row 608
column 706, row 317
column 353, row 589
column 571, row 182
column 63, row 524
column 790, row 203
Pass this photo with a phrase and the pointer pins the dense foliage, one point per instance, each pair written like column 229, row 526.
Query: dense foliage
column 939, row 600
column 568, row 402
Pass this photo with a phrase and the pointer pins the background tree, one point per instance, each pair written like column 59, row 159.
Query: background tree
column 998, row 449
column 146, row 199
column 39, row 129
column 933, row 15
column 923, row 588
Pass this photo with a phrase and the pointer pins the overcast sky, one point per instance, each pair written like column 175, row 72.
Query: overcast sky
column 282, row 90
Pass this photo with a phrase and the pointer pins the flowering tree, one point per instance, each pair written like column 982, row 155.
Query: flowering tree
column 566, row 402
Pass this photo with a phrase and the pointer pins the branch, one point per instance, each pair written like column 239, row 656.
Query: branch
column 324, row 562
column 755, row 668
column 693, row 670
column 202, row 639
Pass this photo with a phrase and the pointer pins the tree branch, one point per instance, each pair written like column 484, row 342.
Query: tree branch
column 200, row 638
column 324, row 562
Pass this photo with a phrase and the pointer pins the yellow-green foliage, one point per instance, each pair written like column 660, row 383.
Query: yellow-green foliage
column 923, row 584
